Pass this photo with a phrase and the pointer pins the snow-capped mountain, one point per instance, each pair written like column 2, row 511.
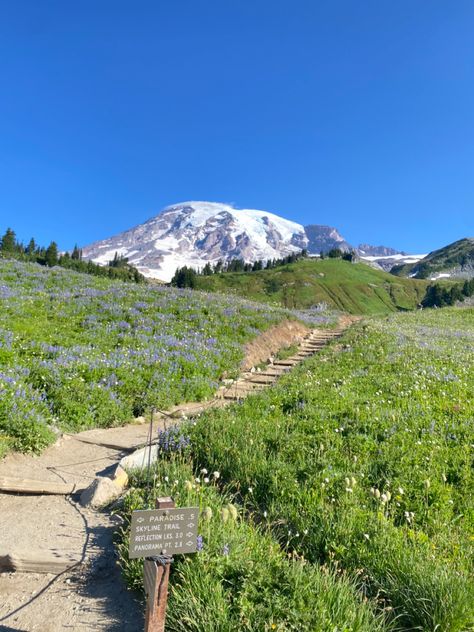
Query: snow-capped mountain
column 389, row 261
column 193, row 233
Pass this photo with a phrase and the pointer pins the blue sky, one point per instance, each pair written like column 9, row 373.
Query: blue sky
column 357, row 114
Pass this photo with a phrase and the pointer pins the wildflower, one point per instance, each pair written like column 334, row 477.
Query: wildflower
column 233, row 511
column 401, row 491
column 216, row 475
column 225, row 549
column 207, row 513
column 199, row 543
column 366, row 536
column 265, row 514
column 188, row 485
column 206, row 480
column 197, row 479
column 225, row 514
column 250, row 490
column 203, row 470
column 166, row 479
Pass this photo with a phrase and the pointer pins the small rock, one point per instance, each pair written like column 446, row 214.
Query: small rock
column 100, row 493
column 141, row 458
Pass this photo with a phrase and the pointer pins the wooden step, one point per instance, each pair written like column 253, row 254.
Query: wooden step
column 31, row 486
column 39, row 561
column 288, row 362
column 263, row 379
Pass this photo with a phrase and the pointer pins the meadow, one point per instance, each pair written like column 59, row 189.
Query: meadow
column 78, row 352
column 356, row 288
column 351, row 483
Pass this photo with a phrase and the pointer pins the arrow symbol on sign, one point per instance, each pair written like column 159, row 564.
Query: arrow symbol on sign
column 140, row 519
column 189, row 543
column 191, row 524
column 189, row 535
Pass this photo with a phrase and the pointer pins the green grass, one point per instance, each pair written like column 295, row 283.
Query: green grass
column 391, row 412
column 356, row 288
column 361, row 461
column 452, row 257
column 78, row 351
column 241, row 579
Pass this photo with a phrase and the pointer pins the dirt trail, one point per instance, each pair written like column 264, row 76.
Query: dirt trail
column 91, row 594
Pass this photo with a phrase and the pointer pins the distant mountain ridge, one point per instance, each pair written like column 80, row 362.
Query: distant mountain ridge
column 454, row 261
column 195, row 233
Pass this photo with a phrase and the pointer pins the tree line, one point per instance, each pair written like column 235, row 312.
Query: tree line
column 186, row 276
column 117, row 268
column 438, row 295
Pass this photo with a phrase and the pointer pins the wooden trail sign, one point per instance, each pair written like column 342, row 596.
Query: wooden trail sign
column 163, row 531
column 157, row 534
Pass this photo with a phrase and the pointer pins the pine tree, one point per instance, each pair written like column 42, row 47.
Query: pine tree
column 207, row 270
column 51, row 255
column 31, row 248
column 8, row 242
column 76, row 253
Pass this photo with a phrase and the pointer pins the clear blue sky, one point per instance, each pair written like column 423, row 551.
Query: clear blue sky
column 358, row 114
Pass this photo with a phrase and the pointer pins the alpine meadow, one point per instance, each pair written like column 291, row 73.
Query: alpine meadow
column 237, row 316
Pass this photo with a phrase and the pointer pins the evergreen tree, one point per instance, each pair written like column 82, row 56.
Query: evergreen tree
column 31, row 248
column 76, row 253
column 468, row 287
column 184, row 277
column 207, row 270
column 349, row 256
column 8, row 242
column 51, row 255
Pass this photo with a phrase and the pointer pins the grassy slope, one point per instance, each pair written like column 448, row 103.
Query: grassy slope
column 441, row 260
column 78, row 351
column 359, row 460
column 355, row 288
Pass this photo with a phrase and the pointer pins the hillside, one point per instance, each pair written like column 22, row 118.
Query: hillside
column 79, row 352
column 455, row 260
column 359, row 461
column 353, row 287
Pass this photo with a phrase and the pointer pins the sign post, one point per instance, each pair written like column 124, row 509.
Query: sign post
column 156, row 535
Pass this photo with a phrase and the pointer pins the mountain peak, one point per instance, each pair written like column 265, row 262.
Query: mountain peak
column 196, row 232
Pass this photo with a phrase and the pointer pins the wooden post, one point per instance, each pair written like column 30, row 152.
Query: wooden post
column 157, row 599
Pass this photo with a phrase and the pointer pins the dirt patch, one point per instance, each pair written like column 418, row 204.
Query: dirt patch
column 267, row 344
